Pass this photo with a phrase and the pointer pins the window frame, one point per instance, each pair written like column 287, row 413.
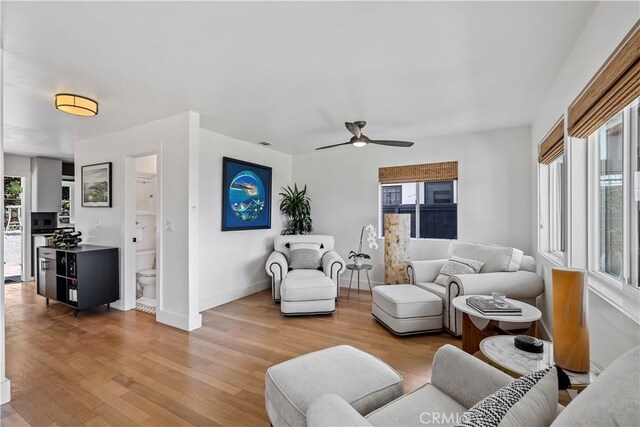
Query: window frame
column 553, row 223
column 558, row 208
column 626, row 282
column 420, row 186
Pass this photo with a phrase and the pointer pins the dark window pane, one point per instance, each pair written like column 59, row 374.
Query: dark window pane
column 438, row 192
column 392, row 195
column 438, row 212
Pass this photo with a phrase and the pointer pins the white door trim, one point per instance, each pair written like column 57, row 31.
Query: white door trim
column 129, row 220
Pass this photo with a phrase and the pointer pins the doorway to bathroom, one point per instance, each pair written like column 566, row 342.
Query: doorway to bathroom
column 145, row 234
column 142, row 210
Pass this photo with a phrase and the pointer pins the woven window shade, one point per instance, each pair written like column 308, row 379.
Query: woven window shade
column 428, row 172
column 615, row 85
column 552, row 146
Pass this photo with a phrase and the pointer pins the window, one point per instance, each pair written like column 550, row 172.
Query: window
column 391, row 195
column 439, row 192
column 557, row 201
column 432, row 206
column 427, row 192
column 615, row 196
column 65, row 216
column 553, row 192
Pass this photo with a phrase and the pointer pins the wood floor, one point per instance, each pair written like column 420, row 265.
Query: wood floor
column 122, row 368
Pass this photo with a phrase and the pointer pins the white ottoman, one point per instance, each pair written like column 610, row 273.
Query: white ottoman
column 407, row 309
column 364, row 381
column 307, row 295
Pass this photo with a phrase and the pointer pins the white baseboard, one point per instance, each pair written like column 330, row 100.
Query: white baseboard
column 179, row 321
column 225, row 297
column 119, row 305
column 5, row 391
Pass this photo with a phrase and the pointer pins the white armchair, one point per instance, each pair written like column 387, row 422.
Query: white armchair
column 302, row 281
column 505, row 269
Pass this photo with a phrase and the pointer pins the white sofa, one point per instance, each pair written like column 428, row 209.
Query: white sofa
column 305, row 291
column 459, row 380
column 505, row 269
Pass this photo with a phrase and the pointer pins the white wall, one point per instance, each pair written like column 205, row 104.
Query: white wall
column 611, row 331
column 146, row 164
column 5, row 383
column 232, row 262
column 173, row 139
column 494, row 189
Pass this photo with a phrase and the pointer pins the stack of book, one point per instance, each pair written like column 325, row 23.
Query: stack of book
column 489, row 306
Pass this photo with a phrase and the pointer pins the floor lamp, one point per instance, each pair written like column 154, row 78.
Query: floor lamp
column 570, row 332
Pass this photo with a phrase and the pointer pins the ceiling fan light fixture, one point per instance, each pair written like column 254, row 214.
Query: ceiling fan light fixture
column 76, row 105
column 359, row 144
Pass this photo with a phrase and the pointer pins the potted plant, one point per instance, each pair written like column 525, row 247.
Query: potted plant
column 372, row 241
column 297, row 206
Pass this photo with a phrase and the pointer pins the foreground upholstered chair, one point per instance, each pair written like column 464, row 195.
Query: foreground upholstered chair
column 311, row 290
column 459, row 381
column 361, row 380
column 505, row 269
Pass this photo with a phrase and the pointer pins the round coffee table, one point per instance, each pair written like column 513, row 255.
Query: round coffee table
column 477, row 326
column 500, row 351
column 358, row 269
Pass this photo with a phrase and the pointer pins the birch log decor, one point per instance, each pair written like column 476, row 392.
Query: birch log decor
column 397, row 234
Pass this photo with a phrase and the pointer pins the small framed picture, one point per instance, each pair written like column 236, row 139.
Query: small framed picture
column 96, row 185
column 246, row 195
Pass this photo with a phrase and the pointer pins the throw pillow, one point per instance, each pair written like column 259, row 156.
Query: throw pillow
column 305, row 255
column 456, row 265
column 529, row 401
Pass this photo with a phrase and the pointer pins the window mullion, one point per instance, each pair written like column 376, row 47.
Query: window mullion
column 593, row 213
column 552, row 207
column 418, row 209
column 633, row 201
column 627, row 179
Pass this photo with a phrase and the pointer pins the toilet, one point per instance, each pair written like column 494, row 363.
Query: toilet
column 146, row 275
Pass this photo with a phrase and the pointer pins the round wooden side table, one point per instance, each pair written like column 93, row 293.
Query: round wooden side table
column 477, row 326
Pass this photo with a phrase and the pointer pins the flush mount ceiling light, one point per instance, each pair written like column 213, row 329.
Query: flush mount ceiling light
column 76, row 105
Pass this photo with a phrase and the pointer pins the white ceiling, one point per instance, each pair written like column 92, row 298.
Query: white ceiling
column 287, row 73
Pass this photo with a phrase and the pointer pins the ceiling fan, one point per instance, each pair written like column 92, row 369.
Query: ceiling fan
column 360, row 140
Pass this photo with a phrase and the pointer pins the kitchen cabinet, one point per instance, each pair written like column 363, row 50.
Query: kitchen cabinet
column 46, row 178
column 82, row 277
column 46, row 278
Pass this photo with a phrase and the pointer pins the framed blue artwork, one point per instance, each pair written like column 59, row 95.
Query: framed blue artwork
column 246, row 195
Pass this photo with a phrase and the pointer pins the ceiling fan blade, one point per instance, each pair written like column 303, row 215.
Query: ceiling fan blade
column 334, row 145
column 354, row 128
column 392, row 143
